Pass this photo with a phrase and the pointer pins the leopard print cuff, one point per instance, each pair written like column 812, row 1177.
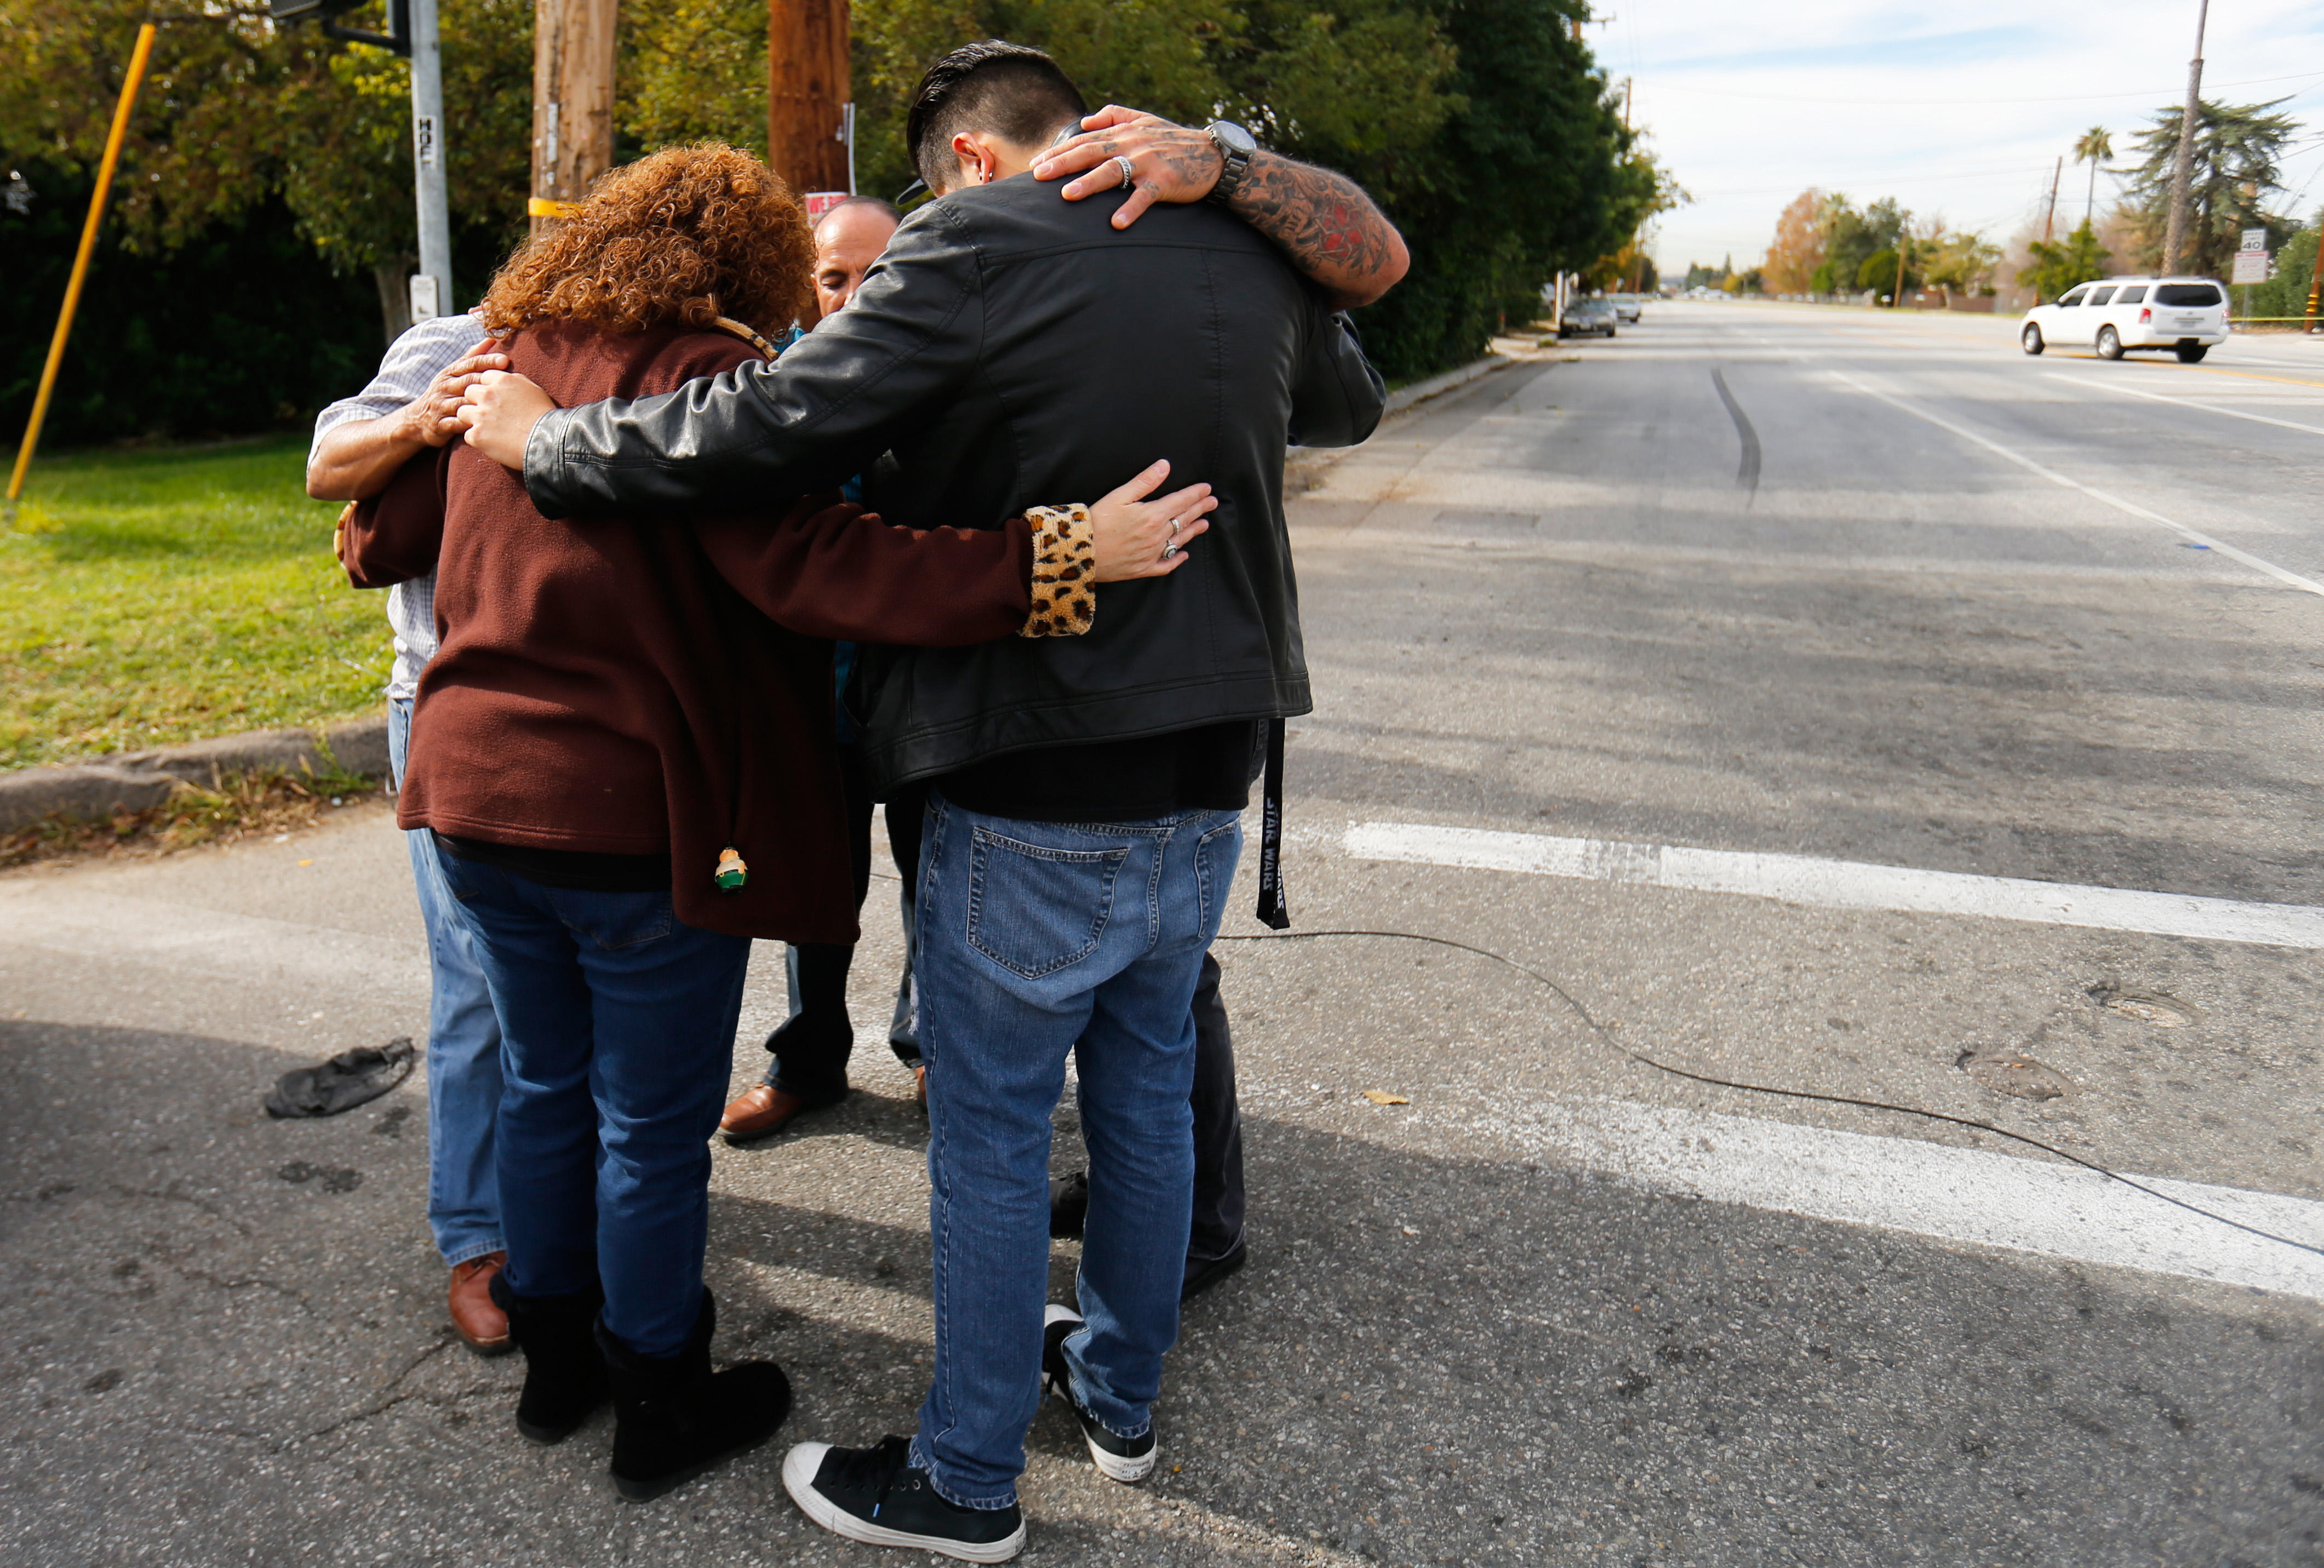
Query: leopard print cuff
column 1065, row 572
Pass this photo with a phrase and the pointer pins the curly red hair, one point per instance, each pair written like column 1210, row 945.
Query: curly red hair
column 685, row 236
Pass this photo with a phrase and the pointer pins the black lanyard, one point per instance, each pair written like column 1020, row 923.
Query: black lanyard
column 1272, row 911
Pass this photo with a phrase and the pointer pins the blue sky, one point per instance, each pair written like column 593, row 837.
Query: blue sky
column 1959, row 111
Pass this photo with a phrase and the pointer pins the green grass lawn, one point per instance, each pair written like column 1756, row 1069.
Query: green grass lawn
column 153, row 596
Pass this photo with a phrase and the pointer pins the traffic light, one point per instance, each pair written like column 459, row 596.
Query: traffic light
column 398, row 37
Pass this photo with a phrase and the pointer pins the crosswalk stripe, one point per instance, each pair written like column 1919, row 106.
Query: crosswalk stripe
column 1841, row 884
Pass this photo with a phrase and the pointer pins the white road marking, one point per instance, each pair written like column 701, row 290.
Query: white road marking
column 1933, row 1189
column 2292, row 579
column 2131, row 391
column 1835, row 884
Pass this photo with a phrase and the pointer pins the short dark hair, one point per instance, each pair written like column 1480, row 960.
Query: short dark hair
column 887, row 207
column 998, row 87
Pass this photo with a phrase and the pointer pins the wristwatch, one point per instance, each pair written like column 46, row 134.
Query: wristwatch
column 1235, row 145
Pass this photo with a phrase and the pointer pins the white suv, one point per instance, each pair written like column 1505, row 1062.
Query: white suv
column 2186, row 315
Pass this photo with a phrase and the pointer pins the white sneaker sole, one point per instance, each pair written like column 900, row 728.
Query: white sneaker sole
column 799, row 1467
column 1112, row 1466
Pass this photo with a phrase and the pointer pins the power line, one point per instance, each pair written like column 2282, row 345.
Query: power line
column 1959, row 103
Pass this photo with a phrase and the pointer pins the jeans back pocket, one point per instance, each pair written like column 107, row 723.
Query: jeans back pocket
column 1033, row 909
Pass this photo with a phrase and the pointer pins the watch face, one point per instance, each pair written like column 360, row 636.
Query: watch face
column 1233, row 135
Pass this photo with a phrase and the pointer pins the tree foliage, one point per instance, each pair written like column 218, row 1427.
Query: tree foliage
column 2056, row 268
column 1483, row 126
column 1798, row 248
column 2238, row 152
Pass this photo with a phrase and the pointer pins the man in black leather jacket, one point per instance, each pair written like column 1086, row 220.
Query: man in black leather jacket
column 1086, row 792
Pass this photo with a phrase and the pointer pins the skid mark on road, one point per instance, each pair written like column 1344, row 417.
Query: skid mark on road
column 2193, row 536
column 1833, row 884
column 1933, row 1189
column 1746, row 473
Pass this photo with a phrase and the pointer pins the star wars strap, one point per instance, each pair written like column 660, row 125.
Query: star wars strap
column 1272, row 911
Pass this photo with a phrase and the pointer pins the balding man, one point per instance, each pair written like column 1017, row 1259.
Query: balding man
column 847, row 240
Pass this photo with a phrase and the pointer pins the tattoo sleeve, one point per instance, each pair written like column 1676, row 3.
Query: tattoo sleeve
column 1331, row 229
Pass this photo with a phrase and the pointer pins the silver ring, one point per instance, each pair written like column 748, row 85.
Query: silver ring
column 1175, row 526
column 1169, row 551
column 1129, row 174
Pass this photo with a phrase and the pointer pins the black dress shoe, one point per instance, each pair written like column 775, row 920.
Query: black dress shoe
column 1202, row 1273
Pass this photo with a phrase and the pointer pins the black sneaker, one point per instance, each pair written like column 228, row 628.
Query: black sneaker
column 1123, row 1459
column 1068, row 1206
column 878, row 1497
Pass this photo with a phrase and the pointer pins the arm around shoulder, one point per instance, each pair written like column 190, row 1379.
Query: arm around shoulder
column 396, row 535
column 837, row 399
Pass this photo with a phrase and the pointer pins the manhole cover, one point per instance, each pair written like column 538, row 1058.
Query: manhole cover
column 2021, row 1078
column 2147, row 1006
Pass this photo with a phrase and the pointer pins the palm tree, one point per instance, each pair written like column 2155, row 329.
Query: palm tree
column 2095, row 147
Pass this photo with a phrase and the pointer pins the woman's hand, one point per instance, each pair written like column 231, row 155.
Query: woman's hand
column 1137, row 538
column 498, row 413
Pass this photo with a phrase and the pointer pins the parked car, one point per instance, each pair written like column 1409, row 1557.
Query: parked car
column 1594, row 317
column 1626, row 308
column 2186, row 315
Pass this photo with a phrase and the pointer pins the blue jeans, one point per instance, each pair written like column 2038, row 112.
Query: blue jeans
column 617, row 1028
column 1036, row 939
column 463, row 1052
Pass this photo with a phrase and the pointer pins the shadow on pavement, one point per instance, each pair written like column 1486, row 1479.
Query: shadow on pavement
column 202, row 1361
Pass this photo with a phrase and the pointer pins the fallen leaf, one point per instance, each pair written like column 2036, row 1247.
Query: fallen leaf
column 1410, row 1232
column 1382, row 1097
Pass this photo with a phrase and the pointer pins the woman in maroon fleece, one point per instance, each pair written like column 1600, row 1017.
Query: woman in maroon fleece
column 623, row 750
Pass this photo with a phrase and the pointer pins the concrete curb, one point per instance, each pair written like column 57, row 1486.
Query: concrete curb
column 1420, row 391
column 136, row 780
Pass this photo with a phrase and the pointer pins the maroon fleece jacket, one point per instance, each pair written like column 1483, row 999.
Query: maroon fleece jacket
column 630, row 685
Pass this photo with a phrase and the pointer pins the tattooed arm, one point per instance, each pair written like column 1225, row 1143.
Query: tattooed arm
column 1330, row 228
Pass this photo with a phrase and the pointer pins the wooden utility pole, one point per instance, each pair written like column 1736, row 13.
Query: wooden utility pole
column 572, row 103
column 2174, row 235
column 809, row 112
column 2050, row 219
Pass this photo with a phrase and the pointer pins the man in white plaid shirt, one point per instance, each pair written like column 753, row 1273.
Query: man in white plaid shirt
column 360, row 442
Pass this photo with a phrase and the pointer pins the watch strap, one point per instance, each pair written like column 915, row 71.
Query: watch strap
column 1234, row 162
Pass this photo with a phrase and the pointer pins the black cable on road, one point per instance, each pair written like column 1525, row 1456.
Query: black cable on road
column 1601, row 1031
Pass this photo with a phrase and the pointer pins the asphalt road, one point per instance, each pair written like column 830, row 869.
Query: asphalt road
column 1935, row 619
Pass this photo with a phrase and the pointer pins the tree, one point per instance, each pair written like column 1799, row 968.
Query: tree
column 2238, row 149
column 2094, row 146
column 2056, row 268
column 1799, row 245
column 1877, row 272
column 1961, row 263
column 239, row 111
column 1625, row 268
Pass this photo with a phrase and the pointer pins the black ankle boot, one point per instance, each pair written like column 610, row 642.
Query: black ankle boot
column 674, row 1417
column 565, row 1374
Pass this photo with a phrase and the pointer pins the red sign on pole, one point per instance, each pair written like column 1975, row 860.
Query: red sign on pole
column 819, row 202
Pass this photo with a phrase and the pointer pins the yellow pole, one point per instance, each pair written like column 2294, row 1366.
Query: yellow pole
column 80, row 262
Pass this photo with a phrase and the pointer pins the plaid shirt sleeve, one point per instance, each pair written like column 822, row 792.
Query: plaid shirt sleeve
column 413, row 362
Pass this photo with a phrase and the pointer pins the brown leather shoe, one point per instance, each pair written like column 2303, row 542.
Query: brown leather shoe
column 920, row 1084
column 763, row 1111
column 474, row 1317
